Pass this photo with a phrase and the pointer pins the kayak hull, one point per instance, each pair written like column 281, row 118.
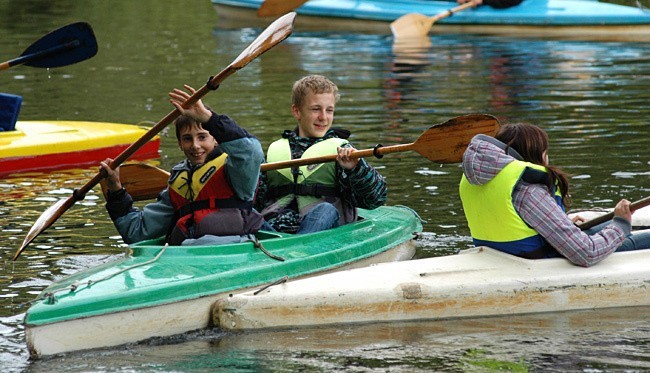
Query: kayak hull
column 158, row 292
column 48, row 145
column 571, row 19
column 478, row 282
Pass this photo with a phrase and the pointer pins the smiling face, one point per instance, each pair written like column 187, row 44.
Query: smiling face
column 196, row 143
column 315, row 114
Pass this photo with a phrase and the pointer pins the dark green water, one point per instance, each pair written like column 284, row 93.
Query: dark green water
column 591, row 97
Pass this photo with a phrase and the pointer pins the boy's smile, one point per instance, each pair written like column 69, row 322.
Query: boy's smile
column 196, row 143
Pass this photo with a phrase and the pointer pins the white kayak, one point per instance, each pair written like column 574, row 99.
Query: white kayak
column 475, row 283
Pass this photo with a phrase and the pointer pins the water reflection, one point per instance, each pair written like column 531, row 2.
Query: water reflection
column 590, row 97
column 557, row 342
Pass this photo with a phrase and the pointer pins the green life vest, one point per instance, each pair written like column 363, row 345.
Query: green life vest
column 309, row 183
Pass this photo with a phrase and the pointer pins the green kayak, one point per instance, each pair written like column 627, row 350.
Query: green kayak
column 157, row 290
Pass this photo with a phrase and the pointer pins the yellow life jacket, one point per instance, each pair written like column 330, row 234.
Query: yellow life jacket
column 491, row 215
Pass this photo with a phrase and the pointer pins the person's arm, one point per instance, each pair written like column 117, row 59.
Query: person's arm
column 245, row 154
column 135, row 225
column 132, row 224
column 539, row 210
column 262, row 189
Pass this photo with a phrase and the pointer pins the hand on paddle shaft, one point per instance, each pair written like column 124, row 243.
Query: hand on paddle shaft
column 67, row 45
column 623, row 209
column 273, row 35
column 441, row 143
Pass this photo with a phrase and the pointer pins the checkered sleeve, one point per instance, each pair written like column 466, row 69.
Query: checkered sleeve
column 538, row 208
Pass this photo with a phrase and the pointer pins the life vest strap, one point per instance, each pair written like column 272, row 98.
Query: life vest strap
column 316, row 190
column 214, row 203
column 546, row 251
column 533, row 176
column 522, row 248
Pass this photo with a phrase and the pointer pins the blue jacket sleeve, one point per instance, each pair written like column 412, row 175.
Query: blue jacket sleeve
column 134, row 225
column 245, row 154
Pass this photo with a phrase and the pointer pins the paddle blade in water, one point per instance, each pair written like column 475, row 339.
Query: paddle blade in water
column 446, row 142
column 415, row 25
column 411, row 25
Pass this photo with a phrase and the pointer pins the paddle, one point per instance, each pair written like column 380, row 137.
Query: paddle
column 441, row 143
column 141, row 180
column 414, row 25
column 274, row 34
column 610, row 215
column 274, row 8
column 67, row 45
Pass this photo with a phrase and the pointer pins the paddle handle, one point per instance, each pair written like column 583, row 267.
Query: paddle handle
column 610, row 215
column 379, row 151
column 40, row 54
column 450, row 12
column 271, row 36
column 164, row 122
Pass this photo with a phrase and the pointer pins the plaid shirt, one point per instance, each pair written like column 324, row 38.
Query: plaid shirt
column 485, row 157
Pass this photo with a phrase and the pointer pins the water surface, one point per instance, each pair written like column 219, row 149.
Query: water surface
column 591, row 97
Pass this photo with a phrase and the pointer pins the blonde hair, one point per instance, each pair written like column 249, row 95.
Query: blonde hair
column 312, row 83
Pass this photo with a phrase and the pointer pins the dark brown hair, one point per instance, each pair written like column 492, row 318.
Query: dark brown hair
column 182, row 122
column 531, row 142
column 185, row 121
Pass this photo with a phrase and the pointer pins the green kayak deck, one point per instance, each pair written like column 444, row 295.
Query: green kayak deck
column 151, row 275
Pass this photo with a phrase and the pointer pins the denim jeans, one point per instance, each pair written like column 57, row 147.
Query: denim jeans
column 636, row 241
column 323, row 216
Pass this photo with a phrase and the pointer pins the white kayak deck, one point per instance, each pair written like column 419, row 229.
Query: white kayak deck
column 478, row 282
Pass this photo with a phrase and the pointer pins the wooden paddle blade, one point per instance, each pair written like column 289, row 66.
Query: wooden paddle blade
column 274, row 34
column 44, row 221
column 412, row 25
column 67, row 45
column 141, row 181
column 274, row 8
column 446, row 142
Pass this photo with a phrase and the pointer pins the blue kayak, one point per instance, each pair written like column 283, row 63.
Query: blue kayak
column 553, row 18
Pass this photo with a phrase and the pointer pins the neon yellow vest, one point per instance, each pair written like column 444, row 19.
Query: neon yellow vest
column 490, row 214
column 321, row 174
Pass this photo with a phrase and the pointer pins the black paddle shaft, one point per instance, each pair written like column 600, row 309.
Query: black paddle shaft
column 64, row 46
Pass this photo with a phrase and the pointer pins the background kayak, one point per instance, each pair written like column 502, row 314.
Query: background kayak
column 47, row 145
